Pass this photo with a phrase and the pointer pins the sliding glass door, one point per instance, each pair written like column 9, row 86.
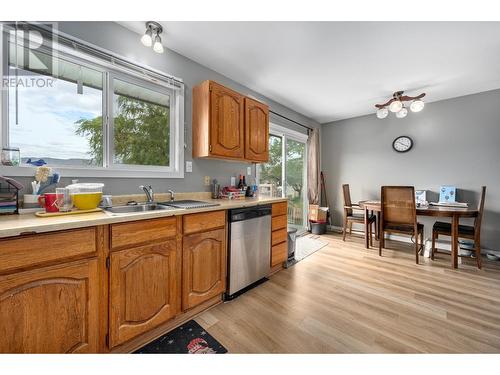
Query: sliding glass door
column 285, row 173
column 295, row 164
column 271, row 173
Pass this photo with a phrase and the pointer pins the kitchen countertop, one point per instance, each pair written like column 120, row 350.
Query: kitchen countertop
column 14, row 225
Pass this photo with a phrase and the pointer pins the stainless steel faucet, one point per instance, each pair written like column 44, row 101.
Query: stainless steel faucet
column 150, row 194
column 172, row 195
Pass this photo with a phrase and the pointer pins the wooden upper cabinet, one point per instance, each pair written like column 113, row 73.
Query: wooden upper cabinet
column 256, row 131
column 204, row 267
column 144, row 289
column 218, row 122
column 228, row 125
column 50, row 310
column 226, row 122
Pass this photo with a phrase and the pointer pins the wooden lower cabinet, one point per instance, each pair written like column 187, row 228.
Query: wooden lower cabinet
column 204, row 267
column 144, row 289
column 279, row 235
column 50, row 310
column 279, row 254
column 107, row 288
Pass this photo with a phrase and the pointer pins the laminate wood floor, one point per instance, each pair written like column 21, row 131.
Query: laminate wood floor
column 347, row 299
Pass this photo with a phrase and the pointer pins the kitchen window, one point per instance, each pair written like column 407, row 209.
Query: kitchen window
column 88, row 116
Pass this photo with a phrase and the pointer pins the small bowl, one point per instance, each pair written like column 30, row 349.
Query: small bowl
column 492, row 257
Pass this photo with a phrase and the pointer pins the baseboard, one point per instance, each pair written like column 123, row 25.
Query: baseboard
column 442, row 245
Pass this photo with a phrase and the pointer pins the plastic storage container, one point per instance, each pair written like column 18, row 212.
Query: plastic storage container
column 86, row 196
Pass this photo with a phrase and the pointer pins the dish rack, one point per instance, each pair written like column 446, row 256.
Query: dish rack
column 9, row 196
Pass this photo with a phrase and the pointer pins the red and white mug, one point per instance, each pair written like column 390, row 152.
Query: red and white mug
column 50, row 201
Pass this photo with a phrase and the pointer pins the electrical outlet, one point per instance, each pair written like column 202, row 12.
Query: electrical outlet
column 207, row 180
column 249, row 171
column 189, row 166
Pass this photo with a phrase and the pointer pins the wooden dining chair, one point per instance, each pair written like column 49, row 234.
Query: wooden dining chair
column 399, row 215
column 464, row 231
column 358, row 218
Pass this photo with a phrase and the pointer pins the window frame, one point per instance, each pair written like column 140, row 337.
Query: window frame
column 110, row 72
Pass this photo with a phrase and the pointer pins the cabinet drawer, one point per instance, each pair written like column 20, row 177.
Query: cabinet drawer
column 205, row 221
column 279, row 209
column 279, row 253
column 38, row 249
column 279, row 222
column 278, row 236
column 143, row 231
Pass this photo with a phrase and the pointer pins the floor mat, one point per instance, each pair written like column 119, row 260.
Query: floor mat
column 307, row 245
column 189, row 338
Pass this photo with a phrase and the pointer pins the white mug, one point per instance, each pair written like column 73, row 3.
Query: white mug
column 30, row 201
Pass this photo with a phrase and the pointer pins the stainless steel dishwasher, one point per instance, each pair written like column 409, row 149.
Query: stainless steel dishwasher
column 249, row 248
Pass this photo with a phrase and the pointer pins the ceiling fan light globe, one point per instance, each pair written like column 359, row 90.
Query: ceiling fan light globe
column 382, row 113
column 417, row 105
column 403, row 112
column 395, row 106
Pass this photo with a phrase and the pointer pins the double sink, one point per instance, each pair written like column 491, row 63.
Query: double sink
column 171, row 205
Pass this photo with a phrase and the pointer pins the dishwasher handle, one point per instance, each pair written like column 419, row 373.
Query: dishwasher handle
column 248, row 213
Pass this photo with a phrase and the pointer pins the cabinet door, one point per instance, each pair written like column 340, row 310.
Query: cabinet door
column 226, row 122
column 204, row 267
column 256, row 131
column 50, row 310
column 144, row 289
column 279, row 253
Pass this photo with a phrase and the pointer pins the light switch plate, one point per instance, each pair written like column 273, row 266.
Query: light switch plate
column 207, row 180
column 249, row 171
column 189, row 166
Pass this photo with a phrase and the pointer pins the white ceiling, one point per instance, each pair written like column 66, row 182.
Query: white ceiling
column 335, row 70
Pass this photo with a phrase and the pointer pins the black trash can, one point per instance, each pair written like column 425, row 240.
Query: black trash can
column 318, row 227
column 292, row 239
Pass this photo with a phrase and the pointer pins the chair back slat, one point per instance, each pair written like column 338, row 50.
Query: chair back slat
column 398, row 205
column 347, row 198
column 479, row 218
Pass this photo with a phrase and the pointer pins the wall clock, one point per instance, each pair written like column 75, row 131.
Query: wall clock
column 402, row 144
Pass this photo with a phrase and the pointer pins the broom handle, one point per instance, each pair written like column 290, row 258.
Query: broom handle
column 323, row 191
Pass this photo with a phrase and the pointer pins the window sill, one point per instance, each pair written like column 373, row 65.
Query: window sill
column 28, row 171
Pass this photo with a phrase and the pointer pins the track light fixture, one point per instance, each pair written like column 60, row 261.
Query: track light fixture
column 152, row 36
column 396, row 105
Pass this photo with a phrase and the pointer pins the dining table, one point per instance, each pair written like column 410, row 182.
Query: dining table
column 455, row 213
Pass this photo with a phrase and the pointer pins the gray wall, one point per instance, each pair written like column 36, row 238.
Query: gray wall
column 456, row 142
column 122, row 41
